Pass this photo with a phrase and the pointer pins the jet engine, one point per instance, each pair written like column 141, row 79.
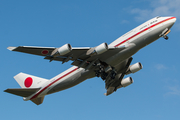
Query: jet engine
column 127, row 81
column 101, row 48
column 98, row 50
column 124, row 83
column 134, row 68
column 64, row 49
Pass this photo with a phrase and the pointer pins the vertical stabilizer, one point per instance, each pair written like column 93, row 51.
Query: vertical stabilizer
column 29, row 81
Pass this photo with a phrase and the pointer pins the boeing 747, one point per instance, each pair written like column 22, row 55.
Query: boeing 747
column 109, row 62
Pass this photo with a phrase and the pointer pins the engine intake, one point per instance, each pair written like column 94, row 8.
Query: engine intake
column 98, row 50
column 127, row 81
column 101, row 48
column 64, row 49
column 134, row 68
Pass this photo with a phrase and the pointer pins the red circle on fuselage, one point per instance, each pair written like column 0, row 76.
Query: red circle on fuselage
column 28, row 82
column 44, row 52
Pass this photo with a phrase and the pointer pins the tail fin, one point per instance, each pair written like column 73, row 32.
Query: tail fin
column 29, row 81
column 29, row 85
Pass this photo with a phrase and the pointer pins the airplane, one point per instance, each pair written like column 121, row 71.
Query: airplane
column 109, row 62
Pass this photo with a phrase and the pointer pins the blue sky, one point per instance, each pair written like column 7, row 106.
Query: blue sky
column 155, row 93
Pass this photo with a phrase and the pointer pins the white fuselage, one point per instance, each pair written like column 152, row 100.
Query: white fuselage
column 134, row 40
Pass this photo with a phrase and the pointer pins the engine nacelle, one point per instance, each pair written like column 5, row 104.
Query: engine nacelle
column 64, row 49
column 101, row 48
column 127, row 81
column 134, row 68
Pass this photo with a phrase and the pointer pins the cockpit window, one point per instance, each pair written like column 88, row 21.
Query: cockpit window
column 158, row 17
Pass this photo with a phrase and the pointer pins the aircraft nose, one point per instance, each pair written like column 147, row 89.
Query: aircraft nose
column 173, row 19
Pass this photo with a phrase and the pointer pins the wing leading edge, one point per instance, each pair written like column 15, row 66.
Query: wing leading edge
column 77, row 54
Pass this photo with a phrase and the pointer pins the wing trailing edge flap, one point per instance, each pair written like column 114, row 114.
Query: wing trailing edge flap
column 55, row 58
column 23, row 92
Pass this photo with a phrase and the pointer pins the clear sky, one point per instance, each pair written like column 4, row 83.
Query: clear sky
column 155, row 93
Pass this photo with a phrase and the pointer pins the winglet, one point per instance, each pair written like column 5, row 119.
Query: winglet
column 11, row 48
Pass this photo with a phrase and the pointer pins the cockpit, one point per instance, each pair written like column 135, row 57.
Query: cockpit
column 158, row 17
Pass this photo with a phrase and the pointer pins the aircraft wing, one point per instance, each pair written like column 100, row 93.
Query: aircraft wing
column 46, row 51
column 113, row 84
column 77, row 54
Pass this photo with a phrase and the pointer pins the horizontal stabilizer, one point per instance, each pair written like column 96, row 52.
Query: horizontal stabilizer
column 23, row 92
